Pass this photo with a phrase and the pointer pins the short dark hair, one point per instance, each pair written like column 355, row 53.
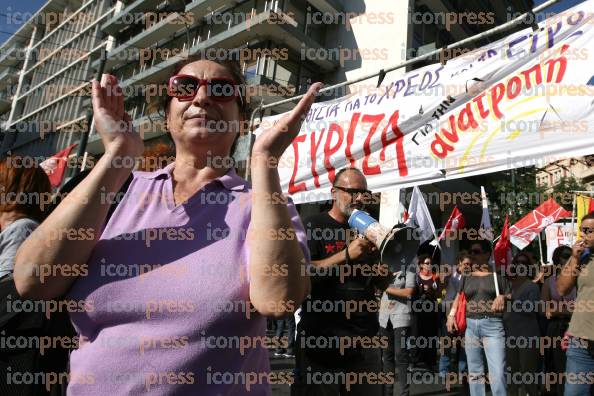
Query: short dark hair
column 423, row 257
column 561, row 252
column 531, row 267
column 484, row 244
column 462, row 256
column 343, row 170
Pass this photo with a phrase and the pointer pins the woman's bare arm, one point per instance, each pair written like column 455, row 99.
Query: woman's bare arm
column 41, row 260
column 277, row 295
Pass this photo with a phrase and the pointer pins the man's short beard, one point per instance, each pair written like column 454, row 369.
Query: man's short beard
column 349, row 211
column 346, row 209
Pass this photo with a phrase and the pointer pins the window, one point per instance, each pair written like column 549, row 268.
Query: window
column 286, row 73
column 250, row 70
column 316, row 31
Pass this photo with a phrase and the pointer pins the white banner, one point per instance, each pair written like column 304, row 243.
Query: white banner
column 558, row 234
column 524, row 100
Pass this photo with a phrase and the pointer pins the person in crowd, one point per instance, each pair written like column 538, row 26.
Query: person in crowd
column 558, row 313
column 25, row 195
column 173, row 258
column 452, row 285
column 24, row 189
column 282, row 325
column 344, row 273
column 484, row 325
column 428, row 290
column 395, row 326
column 579, row 272
column 522, row 328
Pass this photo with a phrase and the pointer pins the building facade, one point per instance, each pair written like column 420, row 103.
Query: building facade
column 581, row 169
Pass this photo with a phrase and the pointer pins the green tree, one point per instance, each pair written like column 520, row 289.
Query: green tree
column 562, row 191
column 514, row 193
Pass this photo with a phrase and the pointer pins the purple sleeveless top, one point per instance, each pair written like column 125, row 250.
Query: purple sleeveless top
column 166, row 294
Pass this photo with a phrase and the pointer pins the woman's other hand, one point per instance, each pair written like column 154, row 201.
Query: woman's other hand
column 113, row 124
column 498, row 303
column 273, row 141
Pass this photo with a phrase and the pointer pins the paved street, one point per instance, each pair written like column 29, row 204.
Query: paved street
column 416, row 390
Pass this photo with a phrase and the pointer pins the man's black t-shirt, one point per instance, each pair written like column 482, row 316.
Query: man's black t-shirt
column 323, row 314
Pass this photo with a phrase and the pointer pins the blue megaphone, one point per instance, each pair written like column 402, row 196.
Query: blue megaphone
column 396, row 245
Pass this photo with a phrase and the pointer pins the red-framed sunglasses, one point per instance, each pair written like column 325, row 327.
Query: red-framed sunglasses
column 184, row 87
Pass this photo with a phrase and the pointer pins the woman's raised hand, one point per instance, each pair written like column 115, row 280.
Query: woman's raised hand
column 273, row 141
column 113, row 124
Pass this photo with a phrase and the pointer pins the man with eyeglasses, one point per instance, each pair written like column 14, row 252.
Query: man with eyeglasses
column 338, row 349
column 579, row 272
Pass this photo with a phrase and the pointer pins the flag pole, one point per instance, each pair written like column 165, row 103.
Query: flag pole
column 540, row 248
column 434, row 250
column 573, row 233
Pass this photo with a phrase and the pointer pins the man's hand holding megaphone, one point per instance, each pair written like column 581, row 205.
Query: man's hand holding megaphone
column 360, row 246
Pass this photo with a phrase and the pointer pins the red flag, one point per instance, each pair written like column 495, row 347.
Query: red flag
column 526, row 229
column 56, row 165
column 454, row 223
column 502, row 249
column 405, row 216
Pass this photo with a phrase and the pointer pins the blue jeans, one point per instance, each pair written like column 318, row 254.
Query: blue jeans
column 289, row 324
column 580, row 364
column 485, row 334
column 445, row 359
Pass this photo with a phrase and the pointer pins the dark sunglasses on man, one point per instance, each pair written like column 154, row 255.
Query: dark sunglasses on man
column 184, row 87
column 354, row 191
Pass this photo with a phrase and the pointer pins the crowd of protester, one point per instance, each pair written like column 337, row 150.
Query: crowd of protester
column 517, row 320
column 522, row 327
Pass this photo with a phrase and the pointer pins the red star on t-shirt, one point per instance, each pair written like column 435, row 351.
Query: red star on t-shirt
column 340, row 245
column 329, row 248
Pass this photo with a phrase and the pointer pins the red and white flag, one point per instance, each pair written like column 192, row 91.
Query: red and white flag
column 528, row 227
column 502, row 249
column 405, row 216
column 454, row 223
column 55, row 166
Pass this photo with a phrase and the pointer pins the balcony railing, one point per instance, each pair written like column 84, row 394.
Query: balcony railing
column 122, row 18
column 235, row 36
column 5, row 102
column 8, row 75
column 12, row 55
